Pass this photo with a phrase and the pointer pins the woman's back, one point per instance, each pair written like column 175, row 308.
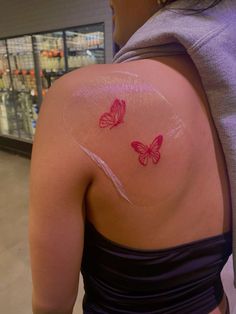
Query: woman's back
column 133, row 144
column 132, row 147
column 185, row 195
column 139, row 203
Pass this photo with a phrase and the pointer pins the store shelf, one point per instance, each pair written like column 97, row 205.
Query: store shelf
column 53, row 73
column 15, row 145
column 4, row 90
column 84, row 50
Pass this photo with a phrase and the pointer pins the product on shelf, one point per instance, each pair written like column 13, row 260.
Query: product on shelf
column 8, row 125
column 50, row 48
column 28, row 113
column 24, row 80
column 4, row 67
column 95, row 40
column 4, row 81
column 80, row 41
column 4, row 126
column 21, row 63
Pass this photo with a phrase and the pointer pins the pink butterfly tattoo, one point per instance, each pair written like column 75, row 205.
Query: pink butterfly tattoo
column 146, row 152
column 115, row 116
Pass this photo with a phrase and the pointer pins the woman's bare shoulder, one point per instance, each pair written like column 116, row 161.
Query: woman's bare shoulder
column 124, row 110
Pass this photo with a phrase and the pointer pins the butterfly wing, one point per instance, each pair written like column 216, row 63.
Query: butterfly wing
column 142, row 150
column 106, row 120
column 118, row 109
column 122, row 110
column 155, row 157
column 154, row 149
column 143, row 159
column 156, row 144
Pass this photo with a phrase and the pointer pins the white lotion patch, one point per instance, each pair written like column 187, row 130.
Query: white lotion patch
column 101, row 164
column 95, row 97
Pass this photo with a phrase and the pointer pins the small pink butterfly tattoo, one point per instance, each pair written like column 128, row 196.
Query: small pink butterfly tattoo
column 146, row 152
column 115, row 116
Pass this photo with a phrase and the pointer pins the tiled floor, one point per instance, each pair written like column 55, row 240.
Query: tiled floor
column 15, row 277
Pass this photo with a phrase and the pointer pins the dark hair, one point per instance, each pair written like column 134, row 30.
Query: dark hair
column 194, row 10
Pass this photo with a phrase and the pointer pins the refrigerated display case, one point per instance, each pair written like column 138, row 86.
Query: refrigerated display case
column 25, row 93
column 50, row 51
column 63, row 51
column 85, row 45
column 8, row 118
column 30, row 64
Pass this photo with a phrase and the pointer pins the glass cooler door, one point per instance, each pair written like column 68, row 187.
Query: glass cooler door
column 50, row 52
column 85, row 45
column 24, row 84
column 8, row 118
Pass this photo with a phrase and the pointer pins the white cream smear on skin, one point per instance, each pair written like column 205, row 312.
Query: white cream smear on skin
column 94, row 97
column 101, row 163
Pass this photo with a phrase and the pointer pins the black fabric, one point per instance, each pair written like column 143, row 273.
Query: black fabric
column 183, row 279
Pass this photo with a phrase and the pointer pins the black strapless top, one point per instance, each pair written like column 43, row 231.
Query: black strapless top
column 184, row 279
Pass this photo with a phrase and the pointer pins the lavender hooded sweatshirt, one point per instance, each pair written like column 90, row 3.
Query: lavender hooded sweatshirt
column 209, row 38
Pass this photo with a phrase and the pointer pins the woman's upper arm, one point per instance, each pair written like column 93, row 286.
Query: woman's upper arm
column 59, row 176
